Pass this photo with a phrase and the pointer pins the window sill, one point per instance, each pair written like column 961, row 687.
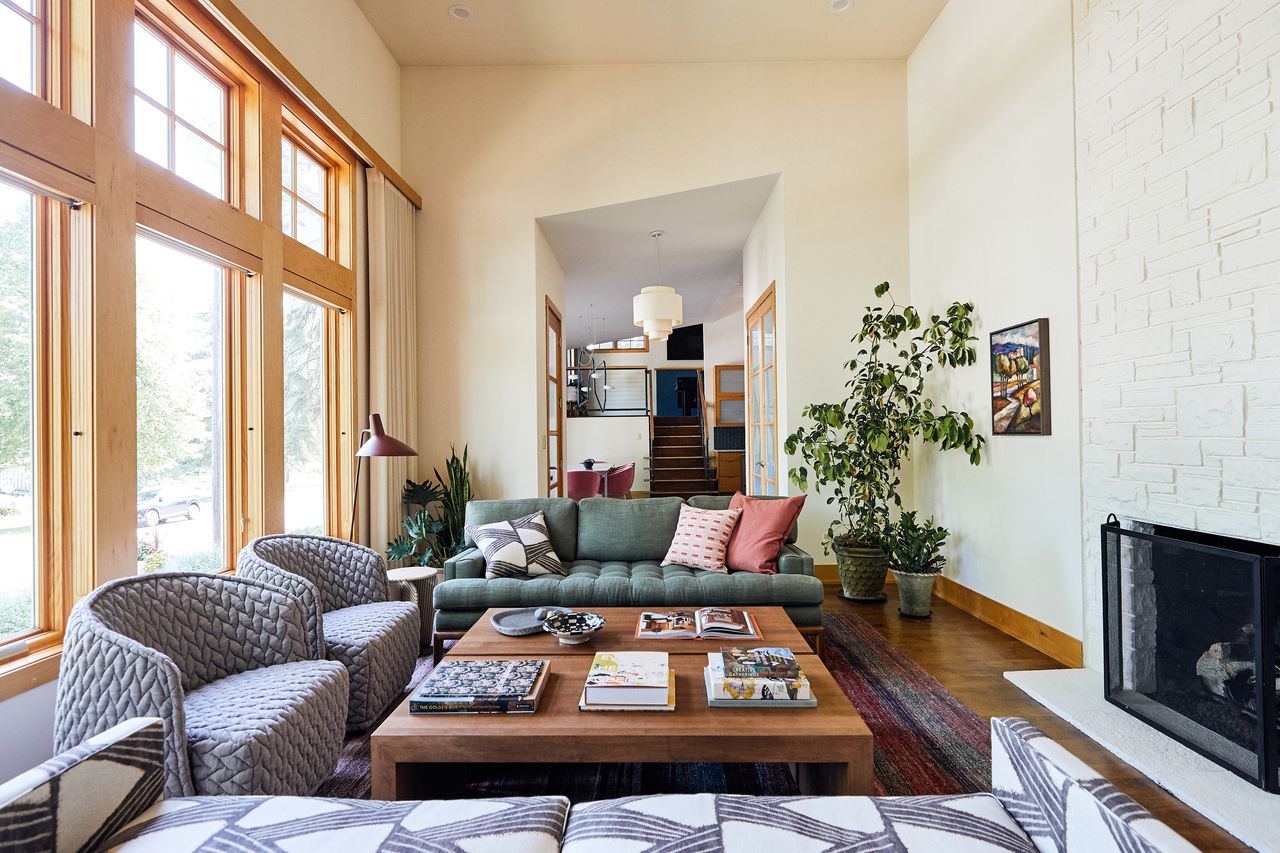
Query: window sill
column 30, row 670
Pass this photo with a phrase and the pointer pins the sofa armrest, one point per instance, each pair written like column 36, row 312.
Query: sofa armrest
column 81, row 797
column 794, row 560
column 1062, row 803
column 468, row 564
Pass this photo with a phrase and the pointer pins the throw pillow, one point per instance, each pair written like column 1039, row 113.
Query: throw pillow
column 702, row 538
column 761, row 531
column 518, row 548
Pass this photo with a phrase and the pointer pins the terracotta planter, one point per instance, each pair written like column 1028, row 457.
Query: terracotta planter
column 915, row 594
column 862, row 571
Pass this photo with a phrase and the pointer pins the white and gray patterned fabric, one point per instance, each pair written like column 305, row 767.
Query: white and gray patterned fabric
column 519, row 825
column 163, row 645
column 1062, row 803
column 520, row 547
column 735, row 823
column 78, row 798
column 351, row 620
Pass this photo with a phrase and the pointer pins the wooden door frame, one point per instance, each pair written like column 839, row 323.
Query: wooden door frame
column 558, row 381
column 766, row 301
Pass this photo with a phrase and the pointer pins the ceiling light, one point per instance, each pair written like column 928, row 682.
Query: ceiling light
column 461, row 13
column 657, row 309
column 838, row 6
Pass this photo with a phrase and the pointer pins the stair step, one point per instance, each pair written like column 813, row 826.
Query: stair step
column 668, row 420
column 667, row 475
column 666, row 451
column 676, row 430
column 677, row 441
column 690, row 461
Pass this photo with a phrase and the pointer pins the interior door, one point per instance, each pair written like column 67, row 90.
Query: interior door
column 762, row 396
column 555, row 404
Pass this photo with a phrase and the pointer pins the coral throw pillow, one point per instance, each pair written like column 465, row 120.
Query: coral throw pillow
column 517, row 548
column 761, row 531
column 702, row 538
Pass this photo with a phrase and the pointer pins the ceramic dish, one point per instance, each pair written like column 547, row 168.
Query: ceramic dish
column 523, row 621
column 573, row 628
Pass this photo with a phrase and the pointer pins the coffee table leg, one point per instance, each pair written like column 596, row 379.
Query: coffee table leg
column 843, row 779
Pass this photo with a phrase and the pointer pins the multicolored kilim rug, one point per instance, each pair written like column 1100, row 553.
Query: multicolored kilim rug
column 927, row 742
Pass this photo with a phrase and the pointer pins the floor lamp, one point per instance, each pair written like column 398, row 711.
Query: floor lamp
column 378, row 444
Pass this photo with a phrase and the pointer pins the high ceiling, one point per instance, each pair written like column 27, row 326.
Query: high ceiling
column 607, row 255
column 583, row 32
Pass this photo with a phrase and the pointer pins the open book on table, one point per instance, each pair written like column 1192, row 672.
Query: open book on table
column 709, row 622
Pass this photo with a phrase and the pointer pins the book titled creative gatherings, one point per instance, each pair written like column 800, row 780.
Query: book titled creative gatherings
column 707, row 623
column 481, row 687
column 762, row 677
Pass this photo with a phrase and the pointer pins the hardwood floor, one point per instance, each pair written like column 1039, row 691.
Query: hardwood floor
column 970, row 658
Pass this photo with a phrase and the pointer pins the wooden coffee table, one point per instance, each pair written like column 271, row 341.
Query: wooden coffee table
column 829, row 746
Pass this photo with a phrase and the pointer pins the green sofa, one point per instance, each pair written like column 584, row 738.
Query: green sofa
column 613, row 550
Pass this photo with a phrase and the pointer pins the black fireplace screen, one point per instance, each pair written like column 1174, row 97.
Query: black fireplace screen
column 1190, row 641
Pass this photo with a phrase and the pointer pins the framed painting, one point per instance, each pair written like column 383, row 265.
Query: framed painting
column 1020, row 379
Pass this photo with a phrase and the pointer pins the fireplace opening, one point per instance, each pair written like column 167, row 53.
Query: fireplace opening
column 1190, row 640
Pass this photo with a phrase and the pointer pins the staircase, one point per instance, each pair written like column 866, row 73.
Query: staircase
column 679, row 463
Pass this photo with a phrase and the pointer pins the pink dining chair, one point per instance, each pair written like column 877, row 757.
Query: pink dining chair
column 583, row 484
column 618, row 481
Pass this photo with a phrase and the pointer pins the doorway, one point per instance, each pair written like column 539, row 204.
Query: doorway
column 676, row 393
column 762, row 395
column 555, row 402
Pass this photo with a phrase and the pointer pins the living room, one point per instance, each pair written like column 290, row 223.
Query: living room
column 1061, row 218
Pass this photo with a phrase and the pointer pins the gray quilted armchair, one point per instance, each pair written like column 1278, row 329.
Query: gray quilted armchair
column 225, row 663
column 352, row 622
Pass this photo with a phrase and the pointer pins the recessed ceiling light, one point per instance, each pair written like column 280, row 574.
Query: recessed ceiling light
column 459, row 12
column 838, row 6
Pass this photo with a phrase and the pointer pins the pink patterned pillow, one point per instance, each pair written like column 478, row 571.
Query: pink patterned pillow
column 702, row 538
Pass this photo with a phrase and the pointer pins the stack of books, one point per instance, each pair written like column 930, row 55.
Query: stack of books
column 481, row 687
column 756, row 678
column 629, row 681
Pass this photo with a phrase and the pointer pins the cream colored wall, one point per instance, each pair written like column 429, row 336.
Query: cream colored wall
column 495, row 148
column 616, row 440
column 337, row 49
column 990, row 129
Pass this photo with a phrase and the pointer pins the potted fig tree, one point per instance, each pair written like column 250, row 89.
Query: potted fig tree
column 915, row 556
column 855, row 448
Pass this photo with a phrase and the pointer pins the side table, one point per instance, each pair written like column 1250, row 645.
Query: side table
column 419, row 581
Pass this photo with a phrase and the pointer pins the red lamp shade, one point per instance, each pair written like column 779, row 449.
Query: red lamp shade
column 381, row 444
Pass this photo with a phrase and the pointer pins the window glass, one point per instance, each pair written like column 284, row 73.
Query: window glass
column 19, row 53
column 304, row 197
column 17, row 451
column 181, row 369
column 304, row 416
column 180, row 113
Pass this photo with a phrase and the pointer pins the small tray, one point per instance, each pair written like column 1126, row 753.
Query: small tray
column 524, row 621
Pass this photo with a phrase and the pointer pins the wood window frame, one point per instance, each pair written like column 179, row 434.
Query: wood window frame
column 767, row 302
column 338, row 162
column 722, row 395
column 556, row 384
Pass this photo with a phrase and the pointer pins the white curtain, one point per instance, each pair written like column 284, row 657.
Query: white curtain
column 393, row 355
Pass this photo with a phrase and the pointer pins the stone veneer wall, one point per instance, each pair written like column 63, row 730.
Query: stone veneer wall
column 1178, row 161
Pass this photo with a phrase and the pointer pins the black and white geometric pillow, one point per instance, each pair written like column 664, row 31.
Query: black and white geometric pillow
column 518, row 548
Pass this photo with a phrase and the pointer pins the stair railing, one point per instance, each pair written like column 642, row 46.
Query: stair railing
column 702, row 431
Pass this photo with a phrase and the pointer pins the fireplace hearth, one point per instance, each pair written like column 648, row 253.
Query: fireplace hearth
column 1190, row 640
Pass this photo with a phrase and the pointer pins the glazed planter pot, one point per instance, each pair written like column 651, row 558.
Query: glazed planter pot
column 915, row 594
column 862, row 571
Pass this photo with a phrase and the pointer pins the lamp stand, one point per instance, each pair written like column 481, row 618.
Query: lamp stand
column 355, row 491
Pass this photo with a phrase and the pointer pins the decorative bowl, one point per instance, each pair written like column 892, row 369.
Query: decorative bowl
column 523, row 621
column 573, row 628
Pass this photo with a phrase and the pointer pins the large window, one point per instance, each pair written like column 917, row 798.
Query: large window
column 304, row 196
column 181, row 112
column 20, row 43
column 182, row 410
column 18, row 558
column 304, row 416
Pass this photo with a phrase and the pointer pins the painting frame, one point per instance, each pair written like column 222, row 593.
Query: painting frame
column 1004, row 413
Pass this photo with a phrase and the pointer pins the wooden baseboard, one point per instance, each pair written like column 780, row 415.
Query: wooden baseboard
column 1061, row 647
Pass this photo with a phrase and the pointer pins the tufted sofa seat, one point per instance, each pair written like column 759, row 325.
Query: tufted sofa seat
column 613, row 550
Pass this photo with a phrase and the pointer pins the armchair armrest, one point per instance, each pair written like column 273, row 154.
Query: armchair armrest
column 468, row 564
column 794, row 560
column 299, row 588
column 107, row 678
column 123, row 769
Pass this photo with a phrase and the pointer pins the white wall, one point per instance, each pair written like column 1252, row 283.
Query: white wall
column 616, row 440
column 993, row 223
column 1178, row 153
column 495, row 148
column 27, row 723
column 548, row 287
column 338, row 51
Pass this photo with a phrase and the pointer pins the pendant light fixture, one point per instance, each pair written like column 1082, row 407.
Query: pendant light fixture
column 657, row 309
